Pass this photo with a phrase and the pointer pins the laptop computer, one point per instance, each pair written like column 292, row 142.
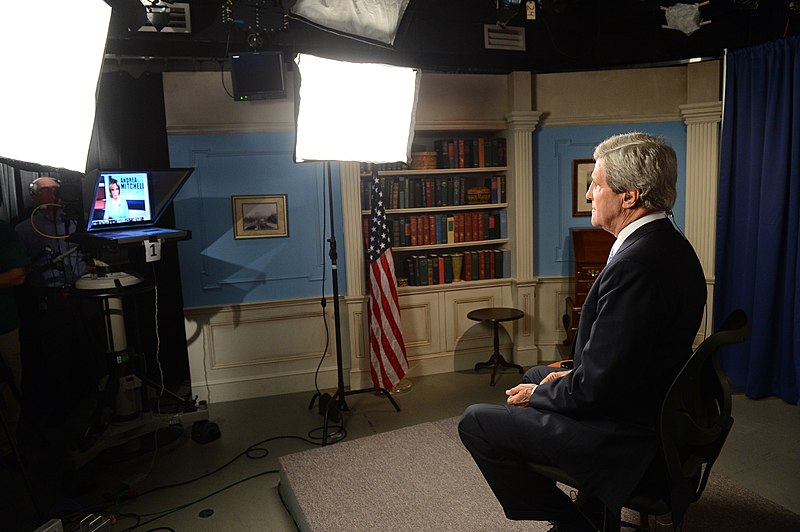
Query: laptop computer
column 126, row 205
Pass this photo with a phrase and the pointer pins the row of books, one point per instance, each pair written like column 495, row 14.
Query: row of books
column 367, row 168
column 433, row 269
column 474, row 152
column 431, row 229
column 412, row 192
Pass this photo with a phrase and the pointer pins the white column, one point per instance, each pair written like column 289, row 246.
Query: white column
column 351, row 227
column 702, row 179
column 519, row 183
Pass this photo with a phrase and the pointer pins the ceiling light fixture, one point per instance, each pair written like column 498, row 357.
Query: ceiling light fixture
column 377, row 20
column 158, row 14
column 684, row 17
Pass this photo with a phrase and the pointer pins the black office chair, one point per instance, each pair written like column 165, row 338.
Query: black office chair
column 695, row 422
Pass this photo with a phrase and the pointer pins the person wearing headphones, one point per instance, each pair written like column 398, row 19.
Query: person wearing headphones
column 55, row 263
column 53, row 334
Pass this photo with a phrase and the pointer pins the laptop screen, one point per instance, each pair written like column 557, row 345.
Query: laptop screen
column 132, row 198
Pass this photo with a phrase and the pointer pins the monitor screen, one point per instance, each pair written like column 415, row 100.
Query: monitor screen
column 132, row 198
column 120, row 198
column 257, row 76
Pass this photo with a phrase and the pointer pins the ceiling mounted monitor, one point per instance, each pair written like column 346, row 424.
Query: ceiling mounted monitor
column 257, row 76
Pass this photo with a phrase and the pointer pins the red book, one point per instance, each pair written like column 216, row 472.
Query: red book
column 428, row 193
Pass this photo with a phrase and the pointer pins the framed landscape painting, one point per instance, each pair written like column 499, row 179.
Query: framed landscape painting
column 259, row 216
column 581, row 179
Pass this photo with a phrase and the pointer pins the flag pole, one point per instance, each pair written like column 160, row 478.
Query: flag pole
column 338, row 401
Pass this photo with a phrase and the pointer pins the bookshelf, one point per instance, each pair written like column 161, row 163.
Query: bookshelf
column 448, row 224
column 438, row 335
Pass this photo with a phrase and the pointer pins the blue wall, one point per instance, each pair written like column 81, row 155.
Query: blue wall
column 216, row 269
column 554, row 149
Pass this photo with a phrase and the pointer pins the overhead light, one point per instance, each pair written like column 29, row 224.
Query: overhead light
column 48, row 107
column 158, row 14
column 379, row 20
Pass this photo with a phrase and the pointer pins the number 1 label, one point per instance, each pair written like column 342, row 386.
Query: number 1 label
column 152, row 251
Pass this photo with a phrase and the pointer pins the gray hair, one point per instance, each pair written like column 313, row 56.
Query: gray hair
column 644, row 162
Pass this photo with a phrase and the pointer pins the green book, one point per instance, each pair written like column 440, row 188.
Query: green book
column 448, row 268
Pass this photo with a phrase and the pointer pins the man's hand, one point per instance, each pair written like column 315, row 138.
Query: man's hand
column 555, row 375
column 520, row 394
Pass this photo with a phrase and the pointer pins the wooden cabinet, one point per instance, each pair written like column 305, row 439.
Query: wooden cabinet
column 590, row 249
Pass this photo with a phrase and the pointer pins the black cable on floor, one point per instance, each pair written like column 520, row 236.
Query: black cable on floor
column 181, row 507
column 253, row 452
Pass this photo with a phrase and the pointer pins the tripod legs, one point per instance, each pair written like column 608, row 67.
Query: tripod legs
column 332, row 407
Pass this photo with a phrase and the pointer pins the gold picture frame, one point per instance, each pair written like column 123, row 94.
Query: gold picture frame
column 581, row 179
column 259, row 216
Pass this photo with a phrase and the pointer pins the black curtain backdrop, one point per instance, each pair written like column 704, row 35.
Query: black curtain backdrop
column 130, row 133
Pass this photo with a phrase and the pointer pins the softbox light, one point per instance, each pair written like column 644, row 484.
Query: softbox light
column 373, row 19
column 54, row 54
column 354, row 111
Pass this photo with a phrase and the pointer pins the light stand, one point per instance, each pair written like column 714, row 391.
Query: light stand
column 352, row 112
column 338, row 401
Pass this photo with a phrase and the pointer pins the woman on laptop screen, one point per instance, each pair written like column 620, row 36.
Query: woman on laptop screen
column 116, row 208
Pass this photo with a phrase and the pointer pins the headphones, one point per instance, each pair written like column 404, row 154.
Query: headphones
column 33, row 189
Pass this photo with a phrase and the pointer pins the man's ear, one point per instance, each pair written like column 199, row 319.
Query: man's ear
column 631, row 198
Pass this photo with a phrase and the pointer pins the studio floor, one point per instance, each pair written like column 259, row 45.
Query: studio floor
column 231, row 482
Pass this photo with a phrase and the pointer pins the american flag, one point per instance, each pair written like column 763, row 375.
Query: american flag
column 387, row 352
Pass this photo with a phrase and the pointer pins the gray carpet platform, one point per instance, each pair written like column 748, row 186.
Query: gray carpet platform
column 421, row 478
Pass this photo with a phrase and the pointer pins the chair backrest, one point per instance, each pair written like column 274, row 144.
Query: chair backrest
column 696, row 415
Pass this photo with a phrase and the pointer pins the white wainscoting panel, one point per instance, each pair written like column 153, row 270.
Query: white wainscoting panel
column 551, row 296
column 259, row 349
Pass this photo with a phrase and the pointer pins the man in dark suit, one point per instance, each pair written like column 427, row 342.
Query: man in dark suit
column 597, row 422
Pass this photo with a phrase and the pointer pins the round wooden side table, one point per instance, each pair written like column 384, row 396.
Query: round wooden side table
column 495, row 315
